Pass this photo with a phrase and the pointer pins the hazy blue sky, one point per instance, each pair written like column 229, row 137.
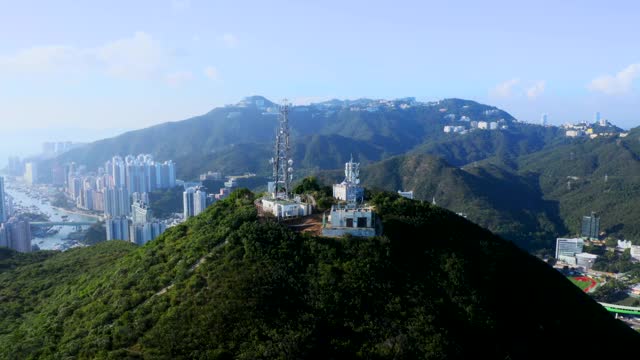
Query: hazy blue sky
column 113, row 65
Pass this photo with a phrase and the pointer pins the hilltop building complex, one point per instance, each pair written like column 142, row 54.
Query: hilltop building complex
column 353, row 217
column 350, row 190
column 279, row 202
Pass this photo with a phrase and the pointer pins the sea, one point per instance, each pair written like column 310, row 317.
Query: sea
column 24, row 198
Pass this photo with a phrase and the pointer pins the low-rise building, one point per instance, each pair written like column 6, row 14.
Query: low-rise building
column 223, row 194
column 406, row 194
column 574, row 133
column 284, row 209
column 356, row 221
column 622, row 244
column 231, row 183
column 585, row 260
column 211, row 175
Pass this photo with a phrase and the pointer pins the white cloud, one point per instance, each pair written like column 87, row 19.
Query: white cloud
column 619, row 83
column 211, row 72
column 138, row 56
column 178, row 78
column 505, row 89
column 229, row 39
column 135, row 57
column 536, row 89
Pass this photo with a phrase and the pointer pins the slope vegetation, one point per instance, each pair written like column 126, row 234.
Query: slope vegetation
column 228, row 285
column 600, row 175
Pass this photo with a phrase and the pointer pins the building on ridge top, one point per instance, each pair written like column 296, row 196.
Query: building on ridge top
column 350, row 190
column 406, row 194
column 355, row 217
column 231, row 183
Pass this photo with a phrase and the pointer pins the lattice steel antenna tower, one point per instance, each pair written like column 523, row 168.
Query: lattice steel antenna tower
column 282, row 162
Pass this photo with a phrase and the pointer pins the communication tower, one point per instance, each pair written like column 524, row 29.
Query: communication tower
column 352, row 172
column 282, row 162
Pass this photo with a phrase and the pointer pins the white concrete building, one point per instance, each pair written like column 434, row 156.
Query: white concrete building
column 622, row 244
column 356, row 221
column 585, row 260
column 350, row 190
column 286, row 208
column 574, row 133
column 406, row 194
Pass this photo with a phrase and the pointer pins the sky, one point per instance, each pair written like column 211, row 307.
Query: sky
column 80, row 71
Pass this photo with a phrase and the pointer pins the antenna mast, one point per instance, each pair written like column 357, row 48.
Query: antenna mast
column 282, row 162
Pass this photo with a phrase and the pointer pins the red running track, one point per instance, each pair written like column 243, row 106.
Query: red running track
column 592, row 282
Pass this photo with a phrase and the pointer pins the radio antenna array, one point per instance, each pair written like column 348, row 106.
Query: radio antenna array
column 282, row 162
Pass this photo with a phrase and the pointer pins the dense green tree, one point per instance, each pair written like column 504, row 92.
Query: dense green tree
column 308, row 184
column 611, row 242
column 95, row 234
column 227, row 284
column 612, row 291
column 164, row 203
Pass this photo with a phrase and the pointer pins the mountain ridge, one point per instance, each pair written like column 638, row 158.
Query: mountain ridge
column 394, row 126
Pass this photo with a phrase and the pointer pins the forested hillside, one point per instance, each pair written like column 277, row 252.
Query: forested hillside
column 228, row 285
column 601, row 175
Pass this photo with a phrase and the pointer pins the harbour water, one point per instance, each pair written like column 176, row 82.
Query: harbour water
column 25, row 199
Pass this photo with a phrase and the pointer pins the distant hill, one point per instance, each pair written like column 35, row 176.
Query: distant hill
column 499, row 146
column 601, row 175
column 226, row 285
column 240, row 136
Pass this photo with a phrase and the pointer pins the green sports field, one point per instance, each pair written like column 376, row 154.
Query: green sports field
column 583, row 283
